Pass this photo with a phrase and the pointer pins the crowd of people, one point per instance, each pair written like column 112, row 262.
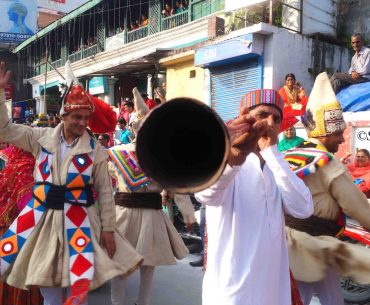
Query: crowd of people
column 89, row 42
column 142, row 20
column 180, row 6
column 76, row 209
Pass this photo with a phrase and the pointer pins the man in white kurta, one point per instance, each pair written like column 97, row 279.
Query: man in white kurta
column 247, row 254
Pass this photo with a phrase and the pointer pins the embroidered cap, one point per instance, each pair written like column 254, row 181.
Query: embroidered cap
column 324, row 114
column 77, row 98
column 103, row 119
column 262, row 97
column 74, row 96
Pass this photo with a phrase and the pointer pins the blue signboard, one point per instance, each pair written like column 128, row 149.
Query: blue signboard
column 232, row 49
column 98, row 85
column 18, row 20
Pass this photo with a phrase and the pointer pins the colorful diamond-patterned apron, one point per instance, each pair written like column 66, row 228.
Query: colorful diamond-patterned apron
column 128, row 167
column 77, row 223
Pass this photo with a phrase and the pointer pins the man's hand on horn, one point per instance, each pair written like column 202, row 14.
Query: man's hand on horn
column 244, row 132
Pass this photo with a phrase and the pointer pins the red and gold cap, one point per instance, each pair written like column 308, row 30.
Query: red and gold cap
column 103, row 118
column 77, row 98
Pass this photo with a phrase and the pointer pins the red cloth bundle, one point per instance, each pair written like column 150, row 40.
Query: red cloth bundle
column 104, row 118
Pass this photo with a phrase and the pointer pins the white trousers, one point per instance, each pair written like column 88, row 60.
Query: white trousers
column 118, row 284
column 54, row 295
column 327, row 290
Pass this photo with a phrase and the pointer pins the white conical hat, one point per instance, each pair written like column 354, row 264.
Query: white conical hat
column 324, row 114
column 68, row 73
column 141, row 110
column 140, row 106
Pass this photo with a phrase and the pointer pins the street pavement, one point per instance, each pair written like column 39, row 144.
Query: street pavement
column 180, row 284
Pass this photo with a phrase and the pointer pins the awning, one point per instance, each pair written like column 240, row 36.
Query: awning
column 59, row 22
column 146, row 62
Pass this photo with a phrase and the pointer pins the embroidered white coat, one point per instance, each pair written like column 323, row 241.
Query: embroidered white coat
column 43, row 260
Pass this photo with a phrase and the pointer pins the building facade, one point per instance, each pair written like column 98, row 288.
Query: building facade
column 203, row 51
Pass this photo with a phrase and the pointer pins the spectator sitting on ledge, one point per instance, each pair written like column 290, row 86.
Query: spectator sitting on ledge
column 359, row 72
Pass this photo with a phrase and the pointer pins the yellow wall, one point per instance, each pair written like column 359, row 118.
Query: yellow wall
column 179, row 82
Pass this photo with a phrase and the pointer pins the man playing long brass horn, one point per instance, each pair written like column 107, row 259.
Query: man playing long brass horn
column 247, row 261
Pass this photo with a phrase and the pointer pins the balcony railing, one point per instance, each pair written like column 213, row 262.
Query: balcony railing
column 40, row 69
column 277, row 12
column 58, row 63
column 75, row 56
column 197, row 9
column 175, row 20
column 90, row 51
column 83, row 53
column 201, row 8
column 137, row 34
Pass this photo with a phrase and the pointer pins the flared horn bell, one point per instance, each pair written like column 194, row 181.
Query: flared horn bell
column 183, row 145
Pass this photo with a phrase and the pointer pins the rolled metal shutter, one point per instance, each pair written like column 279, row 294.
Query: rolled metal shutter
column 228, row 85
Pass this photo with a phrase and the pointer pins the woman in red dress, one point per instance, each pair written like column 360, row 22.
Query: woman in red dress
column 295, row 101
column 16, row 182
column 293, row 96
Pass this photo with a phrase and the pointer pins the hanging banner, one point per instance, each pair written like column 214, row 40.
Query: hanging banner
column 231, row 5
column 18, row 20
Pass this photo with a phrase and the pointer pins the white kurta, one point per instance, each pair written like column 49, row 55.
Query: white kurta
column 247, row 262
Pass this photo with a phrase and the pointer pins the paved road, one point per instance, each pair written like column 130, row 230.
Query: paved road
column 173, row 285
column 180, row 284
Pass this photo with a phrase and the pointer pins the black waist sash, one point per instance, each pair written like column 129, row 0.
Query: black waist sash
column 314, row 225
column 56, row 196
column 139, row 200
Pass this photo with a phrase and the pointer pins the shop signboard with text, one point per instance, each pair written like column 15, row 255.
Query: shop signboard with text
column 98, row 85
column 232, row 49
column 362, row 138
column 18, row 20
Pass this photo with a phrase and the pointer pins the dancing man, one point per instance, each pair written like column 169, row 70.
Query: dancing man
column 61, row 238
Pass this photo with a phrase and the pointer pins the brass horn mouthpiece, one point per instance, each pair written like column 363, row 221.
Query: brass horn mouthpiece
column 183, row 145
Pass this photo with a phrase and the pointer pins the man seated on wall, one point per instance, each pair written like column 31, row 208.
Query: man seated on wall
column 359, row 71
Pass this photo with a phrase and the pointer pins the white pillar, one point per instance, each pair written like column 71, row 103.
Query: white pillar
column 37, row 105
column 150, row 87
column 109, row 98
column 42, row 105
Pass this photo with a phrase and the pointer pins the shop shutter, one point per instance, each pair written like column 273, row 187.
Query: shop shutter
column 229, row 83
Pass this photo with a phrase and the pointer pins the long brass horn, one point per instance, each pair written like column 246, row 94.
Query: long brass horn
column 183, row 145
